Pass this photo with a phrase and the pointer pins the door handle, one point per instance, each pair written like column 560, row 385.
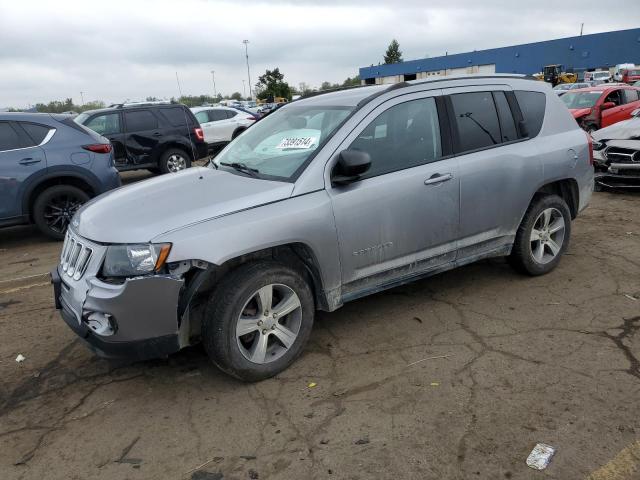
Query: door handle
column 438, row 178
column 157, row 134
column 29, row 161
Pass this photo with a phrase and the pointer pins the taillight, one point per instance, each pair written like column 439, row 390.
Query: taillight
column 199, row 133
column 590, row 142
column 98, row 147
column 251, row 117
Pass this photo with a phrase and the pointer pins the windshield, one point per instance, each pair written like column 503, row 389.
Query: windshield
column 580, row 99
column 564, row 86
column 280, row 144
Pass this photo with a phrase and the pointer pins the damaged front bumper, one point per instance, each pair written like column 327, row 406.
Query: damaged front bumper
column 136, row 319
column 618, row 165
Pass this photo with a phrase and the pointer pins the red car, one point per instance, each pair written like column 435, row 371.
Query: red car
column 601, row 106
column 631, row 76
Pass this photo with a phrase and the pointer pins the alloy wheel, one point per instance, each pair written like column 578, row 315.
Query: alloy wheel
column 269, row 323
column 176, row 162
column 60, row 210
column 547, row 235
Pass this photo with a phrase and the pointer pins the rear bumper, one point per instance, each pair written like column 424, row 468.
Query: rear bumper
column 142, row 313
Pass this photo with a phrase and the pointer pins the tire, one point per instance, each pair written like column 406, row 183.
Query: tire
column 174, row 160
column 54, row 208
column 237, row 294
column 237, row 132
column 537, row 257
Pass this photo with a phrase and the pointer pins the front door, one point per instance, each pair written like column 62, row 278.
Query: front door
column 19, row 159
column 615, row 114
column 401, row 218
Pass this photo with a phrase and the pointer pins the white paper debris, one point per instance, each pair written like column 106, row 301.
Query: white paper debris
column 20, row 358
column 540, row 456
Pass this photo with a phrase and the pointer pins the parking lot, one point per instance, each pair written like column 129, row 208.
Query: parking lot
column 457, row 376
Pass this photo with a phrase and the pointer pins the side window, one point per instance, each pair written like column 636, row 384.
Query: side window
column 507, row 124
column 614, row 97
column 231, row 113
column 630, row 95
column 140, row 120
column 216, row 115
column 36, row 132
column 477, row 120
column 532, row 105
column 202, row 117
column 404, row 136
column 177, row 116
column 9, row 138
column 105, row 124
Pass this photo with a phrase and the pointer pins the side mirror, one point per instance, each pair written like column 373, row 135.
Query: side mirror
column 350, row 165
column 607, row 105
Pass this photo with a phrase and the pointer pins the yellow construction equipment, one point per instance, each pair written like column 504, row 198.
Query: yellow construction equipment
column 554, row 75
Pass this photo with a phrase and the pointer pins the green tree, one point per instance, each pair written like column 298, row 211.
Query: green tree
column 393, row 54
column 272, row 84
column 351, row 82
column 236, row 96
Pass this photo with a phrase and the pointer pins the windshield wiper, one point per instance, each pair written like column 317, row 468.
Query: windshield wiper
column 241, row 167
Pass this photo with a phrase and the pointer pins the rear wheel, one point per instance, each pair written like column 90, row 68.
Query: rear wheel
column 54, row 208
column 543, row 236
column 258, row 320
column 237, row 132
column 174, row 160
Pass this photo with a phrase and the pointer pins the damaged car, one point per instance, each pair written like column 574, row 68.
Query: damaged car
column 617, row 154
column 328, row 199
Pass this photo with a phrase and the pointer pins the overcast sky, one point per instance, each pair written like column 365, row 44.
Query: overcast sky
column 130, row 49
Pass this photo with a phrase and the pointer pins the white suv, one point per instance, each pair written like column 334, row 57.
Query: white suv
column 222, row 124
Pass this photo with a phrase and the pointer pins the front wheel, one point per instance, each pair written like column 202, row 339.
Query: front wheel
column 543, row 236
column 54, row 208
column 258, row 320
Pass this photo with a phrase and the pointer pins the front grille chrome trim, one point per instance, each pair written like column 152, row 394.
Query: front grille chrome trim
column 75, row 257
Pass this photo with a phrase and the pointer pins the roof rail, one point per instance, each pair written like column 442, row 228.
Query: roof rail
column 139, row 104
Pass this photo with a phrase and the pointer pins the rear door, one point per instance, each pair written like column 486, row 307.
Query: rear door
column 494, row 166
column 142, row 135
column 109, row 125
column 20, row 157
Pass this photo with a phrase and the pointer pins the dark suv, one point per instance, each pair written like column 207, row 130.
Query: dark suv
column 160, row 137
column 49, row 166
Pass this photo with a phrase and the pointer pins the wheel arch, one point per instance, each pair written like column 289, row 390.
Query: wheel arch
column 237, row 132
column 567, row 189
column 178, row 144
column 61, row 179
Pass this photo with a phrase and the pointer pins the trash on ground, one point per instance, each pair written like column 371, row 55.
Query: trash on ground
column 312, row 384
column 20, row 358
column 362, row 441
column 630, row 297
column 540, row 456
column 435, row 384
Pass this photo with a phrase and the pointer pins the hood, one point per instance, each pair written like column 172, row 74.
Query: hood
column 579, row 112
column 139, row 212
column 625, row 130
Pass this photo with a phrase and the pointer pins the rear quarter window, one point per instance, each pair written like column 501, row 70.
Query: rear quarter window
column 532, row 105
column 177, row 116
column 36, row 132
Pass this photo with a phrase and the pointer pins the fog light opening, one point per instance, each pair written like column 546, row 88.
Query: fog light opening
column 101, row 323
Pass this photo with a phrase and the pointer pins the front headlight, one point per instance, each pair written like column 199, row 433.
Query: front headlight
column 133, row 260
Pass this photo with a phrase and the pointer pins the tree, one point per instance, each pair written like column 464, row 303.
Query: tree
column 393, row 54
column 236, row 96
column 272, row 84
column 351, row 82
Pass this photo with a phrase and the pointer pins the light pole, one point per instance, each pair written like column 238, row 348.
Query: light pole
column 246, row 52
column 244, row 89
column 82, row 97
column 213, row 77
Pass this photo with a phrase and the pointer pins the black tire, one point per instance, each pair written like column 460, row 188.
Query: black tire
column 225, row 306
column 522, row 255
column 169, row 158
column 237, row 132
column 54, row 208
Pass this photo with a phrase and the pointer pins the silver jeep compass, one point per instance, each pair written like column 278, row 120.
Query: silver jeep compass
column 326, row 200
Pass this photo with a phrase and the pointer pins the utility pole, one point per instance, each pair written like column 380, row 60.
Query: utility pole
column 213, row 77
column 82, row 97
column 246, row 52
column 244, row 89
column 581, row 27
